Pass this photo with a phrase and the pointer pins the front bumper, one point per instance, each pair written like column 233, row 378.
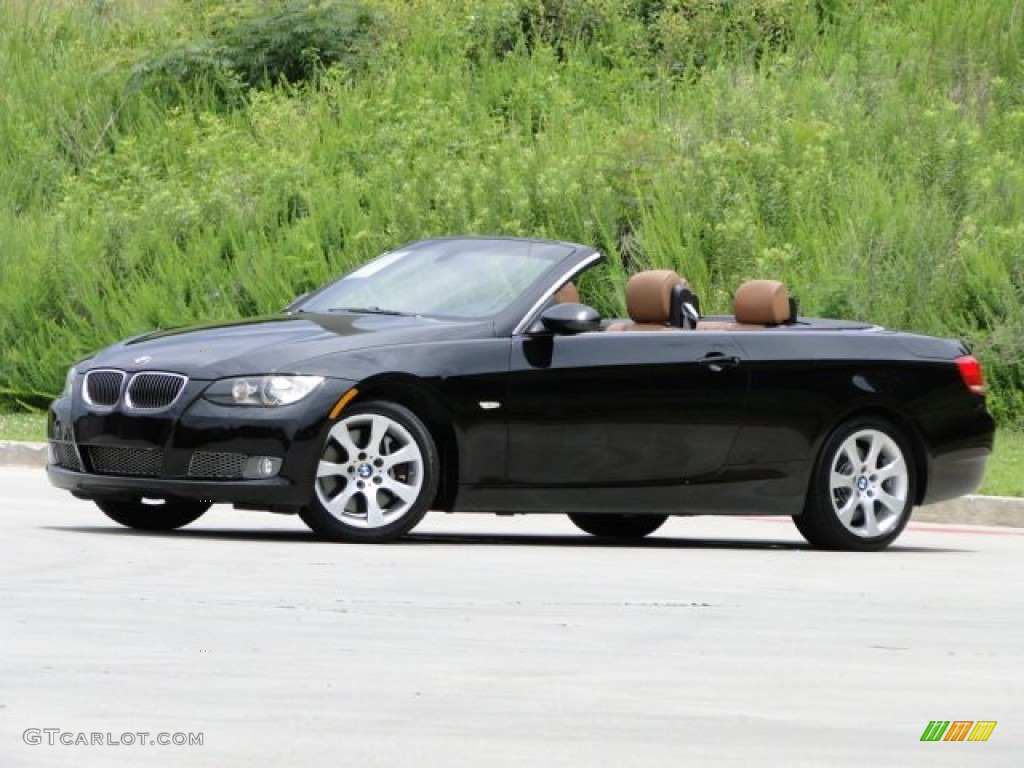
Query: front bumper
column 194, row 450
column 276, row 492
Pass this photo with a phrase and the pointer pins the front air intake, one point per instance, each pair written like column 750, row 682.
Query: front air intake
column 133, row 462
column 217, row 466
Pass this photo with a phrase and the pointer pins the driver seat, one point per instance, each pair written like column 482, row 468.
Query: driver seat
column 655, row 301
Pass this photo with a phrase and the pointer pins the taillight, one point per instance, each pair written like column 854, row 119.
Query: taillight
column 971, row 373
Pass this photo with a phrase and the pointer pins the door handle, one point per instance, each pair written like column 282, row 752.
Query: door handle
column 717, row 362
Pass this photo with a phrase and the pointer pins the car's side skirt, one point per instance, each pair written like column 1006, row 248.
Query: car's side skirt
column 776, row 492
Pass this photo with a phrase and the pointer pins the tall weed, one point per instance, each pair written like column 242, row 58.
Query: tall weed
column 866, row 153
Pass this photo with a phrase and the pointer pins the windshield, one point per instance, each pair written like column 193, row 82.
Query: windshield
column 470, row 279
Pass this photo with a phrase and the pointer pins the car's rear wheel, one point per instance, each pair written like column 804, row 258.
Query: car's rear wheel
column 618, row 526
column 863, row 487
column 376, row 477
column 164, row 515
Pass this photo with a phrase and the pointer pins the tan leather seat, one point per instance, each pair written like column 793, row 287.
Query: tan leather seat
column 761, row 302
column 756, row 305
column 567, row 294
column 649, row 301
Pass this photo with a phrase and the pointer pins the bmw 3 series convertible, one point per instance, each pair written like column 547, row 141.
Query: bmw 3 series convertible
column 467, row 374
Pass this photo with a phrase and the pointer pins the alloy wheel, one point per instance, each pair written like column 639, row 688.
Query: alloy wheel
column 371, row 471
column 869, row 483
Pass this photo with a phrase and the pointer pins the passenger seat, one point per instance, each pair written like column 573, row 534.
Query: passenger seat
column 567, row 294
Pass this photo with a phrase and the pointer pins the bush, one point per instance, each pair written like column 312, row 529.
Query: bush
column 260, row 45
column 293, row 42
column 690, row 35
column 684, row 35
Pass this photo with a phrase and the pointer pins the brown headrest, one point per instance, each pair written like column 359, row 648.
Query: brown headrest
column 567, row 294
column 761, row 302
column 649, row 295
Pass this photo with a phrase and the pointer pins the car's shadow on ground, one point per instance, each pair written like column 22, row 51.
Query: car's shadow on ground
column 447, row 539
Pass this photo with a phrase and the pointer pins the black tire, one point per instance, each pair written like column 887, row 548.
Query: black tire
column 862, row 489
column 163, row 516
column 618, row 526
column 360, row 492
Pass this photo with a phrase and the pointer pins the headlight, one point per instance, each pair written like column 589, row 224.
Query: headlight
column 262, row 390
column 69, row 382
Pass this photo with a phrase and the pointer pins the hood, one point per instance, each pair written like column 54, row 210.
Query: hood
column 274, row 344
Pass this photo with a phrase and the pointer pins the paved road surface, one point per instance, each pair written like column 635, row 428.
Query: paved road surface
column 500, row 642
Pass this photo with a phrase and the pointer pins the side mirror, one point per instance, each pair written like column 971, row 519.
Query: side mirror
column 571, row 318
column 294, row 303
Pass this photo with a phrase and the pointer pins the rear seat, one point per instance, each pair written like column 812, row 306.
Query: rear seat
column 758, row 304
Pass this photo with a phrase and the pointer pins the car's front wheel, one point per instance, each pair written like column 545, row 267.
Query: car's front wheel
column 618, row 526
column 376, row 477
column 863, row 487
column 165, row 515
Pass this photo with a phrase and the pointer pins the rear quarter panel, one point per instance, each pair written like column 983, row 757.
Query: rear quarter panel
column 805, row 383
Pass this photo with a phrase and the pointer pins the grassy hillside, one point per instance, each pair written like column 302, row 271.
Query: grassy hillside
column 190, row 159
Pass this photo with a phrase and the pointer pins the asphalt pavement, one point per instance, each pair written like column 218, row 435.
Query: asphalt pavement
column 483, row 641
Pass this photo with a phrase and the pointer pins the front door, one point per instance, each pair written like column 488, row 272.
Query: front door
column 625, row 408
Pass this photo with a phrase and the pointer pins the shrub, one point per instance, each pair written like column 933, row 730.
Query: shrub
column 691, row 35
column 260, row 45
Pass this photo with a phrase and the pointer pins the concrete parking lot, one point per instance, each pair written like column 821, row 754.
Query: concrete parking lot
column 494, row 641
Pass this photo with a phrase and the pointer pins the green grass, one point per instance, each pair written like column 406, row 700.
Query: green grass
column 866, row 153
column 1004, row 475
column 27, row 427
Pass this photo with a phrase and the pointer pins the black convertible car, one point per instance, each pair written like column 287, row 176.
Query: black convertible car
column 464, row 374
